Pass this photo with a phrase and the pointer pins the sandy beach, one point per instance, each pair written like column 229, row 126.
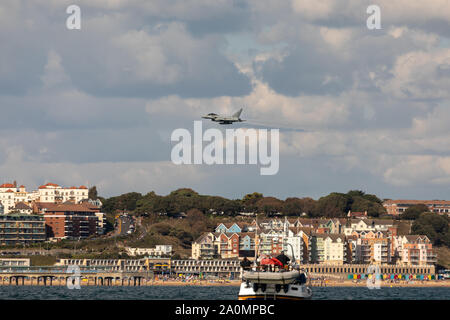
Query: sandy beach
column 236, row 283
column 362, row 283
column 329, row 283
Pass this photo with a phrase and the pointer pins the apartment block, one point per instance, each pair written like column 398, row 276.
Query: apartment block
column 415, row 250
column 68, row 221
column 16, row 228
column 396, row 207
column 159, row 251
column 11, row 195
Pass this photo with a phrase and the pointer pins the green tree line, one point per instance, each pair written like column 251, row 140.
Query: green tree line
column 334, row 205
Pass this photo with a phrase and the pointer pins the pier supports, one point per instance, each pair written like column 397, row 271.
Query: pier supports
column 62, row 279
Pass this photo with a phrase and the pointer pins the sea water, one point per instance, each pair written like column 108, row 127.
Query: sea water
column 212, row 293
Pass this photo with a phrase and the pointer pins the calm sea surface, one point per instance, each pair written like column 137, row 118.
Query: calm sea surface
column 211, row 293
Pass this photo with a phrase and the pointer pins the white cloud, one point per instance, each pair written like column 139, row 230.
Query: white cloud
column 54, row 73
column 418, row 170
column 421, row 75
column 374, row 103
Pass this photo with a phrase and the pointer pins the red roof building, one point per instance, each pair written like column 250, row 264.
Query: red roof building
column 72, row 221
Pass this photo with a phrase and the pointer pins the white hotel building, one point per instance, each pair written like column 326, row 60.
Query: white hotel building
column 10, row 195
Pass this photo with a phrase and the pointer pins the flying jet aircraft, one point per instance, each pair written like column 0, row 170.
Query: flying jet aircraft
column 224, row 119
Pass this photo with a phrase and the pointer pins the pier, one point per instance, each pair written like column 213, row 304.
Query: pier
column 32, row 277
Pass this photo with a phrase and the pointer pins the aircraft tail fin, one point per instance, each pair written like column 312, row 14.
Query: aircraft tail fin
column 237, row 114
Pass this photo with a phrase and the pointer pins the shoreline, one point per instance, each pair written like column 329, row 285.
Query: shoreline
column 236, row 283
column 425, row 284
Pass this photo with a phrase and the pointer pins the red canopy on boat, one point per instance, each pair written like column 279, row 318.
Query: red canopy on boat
column 272, row 261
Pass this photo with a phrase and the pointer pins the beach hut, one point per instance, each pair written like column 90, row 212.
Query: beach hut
column 359, row 276
column 350, row 276
column 355, row 276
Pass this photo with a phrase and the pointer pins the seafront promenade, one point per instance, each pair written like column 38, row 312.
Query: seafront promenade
column 137, row 279
column 167, row 272
column 208, row 283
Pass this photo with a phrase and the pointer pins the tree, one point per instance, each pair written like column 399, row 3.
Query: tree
column 297, row 206
column 373, row 208
column 269, row 205
column 93, row 195
column 252, row 197
column 125, row 202
column 434, row 226
column 249, row 201
column 413, row 212
column 196, row 222
column 334, row 205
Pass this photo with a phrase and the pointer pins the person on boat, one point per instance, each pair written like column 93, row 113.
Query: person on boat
column 246, row 264
column 301, row 279
column 284, row 259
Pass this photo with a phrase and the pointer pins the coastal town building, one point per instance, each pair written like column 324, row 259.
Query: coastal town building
column 130, row 265
column 228, row 241
column 228, row 245
column 14, row 262
column 11, row 195
column 54, row 193
column 358, row 215
column 359, row 225
column 205, row 247
column 17, row 228
column 218, row 268
column 396, row 207
column 247, row 244
column 372, row 248
column 328, row 248
column 270, row 242
column 164, row 250
column 294, row 247
column 415, row 250
column 22, row 208
column 68, row 221
column 319, row 241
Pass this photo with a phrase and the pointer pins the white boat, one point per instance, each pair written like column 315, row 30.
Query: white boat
column 289, row 285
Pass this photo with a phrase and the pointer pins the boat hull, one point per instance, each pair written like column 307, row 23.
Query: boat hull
column 253, row 291
column 268, row 297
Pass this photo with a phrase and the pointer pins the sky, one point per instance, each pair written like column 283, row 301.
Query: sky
column 358, row 108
